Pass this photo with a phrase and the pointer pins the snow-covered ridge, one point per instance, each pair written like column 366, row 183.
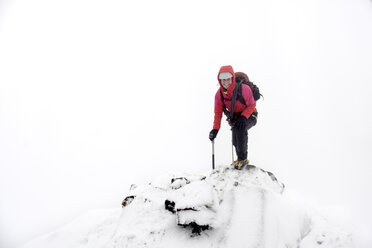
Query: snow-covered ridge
column 228, row 208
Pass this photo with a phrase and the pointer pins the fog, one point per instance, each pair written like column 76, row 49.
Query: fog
column 97, row 95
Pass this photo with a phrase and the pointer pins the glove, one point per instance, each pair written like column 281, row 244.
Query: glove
column 213, row 134
column 241, row 122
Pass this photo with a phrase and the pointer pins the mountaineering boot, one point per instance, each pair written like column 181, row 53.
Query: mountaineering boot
column 235, row 163
column 240, row 164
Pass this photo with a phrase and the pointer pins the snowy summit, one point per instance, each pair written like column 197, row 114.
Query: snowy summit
column 229, row 208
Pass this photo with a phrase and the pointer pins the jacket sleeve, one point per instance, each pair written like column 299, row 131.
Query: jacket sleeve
column 218, row 110
column 249, row 100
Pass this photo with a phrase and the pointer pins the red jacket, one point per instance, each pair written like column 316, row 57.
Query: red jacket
column 245, row 110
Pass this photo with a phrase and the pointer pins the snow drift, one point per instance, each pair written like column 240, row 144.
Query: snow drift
column 228, row 208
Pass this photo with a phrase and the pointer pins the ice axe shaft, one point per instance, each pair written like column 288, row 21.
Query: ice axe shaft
column 232, row 152
column 212, row 154
column 232, row 146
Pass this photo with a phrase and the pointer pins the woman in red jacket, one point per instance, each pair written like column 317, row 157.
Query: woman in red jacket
column 245, row 113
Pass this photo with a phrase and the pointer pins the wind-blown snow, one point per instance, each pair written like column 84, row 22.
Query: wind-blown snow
column 245, row 208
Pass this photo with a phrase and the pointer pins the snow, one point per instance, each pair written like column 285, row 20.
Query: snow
column 195, row 194
column 247, row 208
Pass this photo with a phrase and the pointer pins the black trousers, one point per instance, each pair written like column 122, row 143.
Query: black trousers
column 240, row 138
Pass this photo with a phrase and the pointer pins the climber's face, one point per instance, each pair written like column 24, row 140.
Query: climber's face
column 226, row 83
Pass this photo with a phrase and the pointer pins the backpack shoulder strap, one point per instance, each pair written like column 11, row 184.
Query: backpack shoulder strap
column 240, row 95
column 237, row 88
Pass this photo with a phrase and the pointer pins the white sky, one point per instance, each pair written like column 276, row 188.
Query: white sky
column 94, row 94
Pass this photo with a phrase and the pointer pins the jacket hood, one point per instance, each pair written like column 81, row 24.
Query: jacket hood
column 227, row 68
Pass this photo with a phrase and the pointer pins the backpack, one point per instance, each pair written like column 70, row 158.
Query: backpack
column 240, row 78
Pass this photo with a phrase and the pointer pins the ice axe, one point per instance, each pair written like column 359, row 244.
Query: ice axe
column 212, row 154
column 232, row 147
